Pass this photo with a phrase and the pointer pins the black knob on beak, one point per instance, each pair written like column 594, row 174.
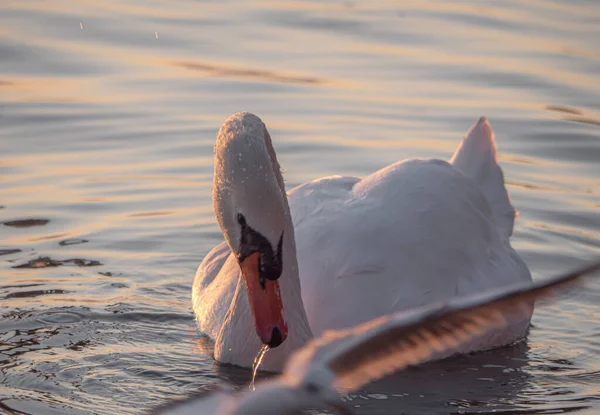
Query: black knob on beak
column 276, row 338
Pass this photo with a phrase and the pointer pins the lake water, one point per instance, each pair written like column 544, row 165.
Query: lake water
column 108, row 115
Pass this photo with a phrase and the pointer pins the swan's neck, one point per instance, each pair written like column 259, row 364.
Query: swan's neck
column 238, row 342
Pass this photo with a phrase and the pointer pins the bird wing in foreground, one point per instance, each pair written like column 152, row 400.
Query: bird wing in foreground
column 208, row 403
column 343, row 361
column 370, row 351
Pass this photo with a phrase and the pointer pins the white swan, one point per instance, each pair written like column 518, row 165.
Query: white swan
column 410, row 234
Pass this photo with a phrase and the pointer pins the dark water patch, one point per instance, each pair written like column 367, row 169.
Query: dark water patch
column 119, row 285
column 119, row 308
column 564, row 109
column 109, row 274
column 19, row 286
column 147, row 214
column 82, row 262
column 561, row 362
column 583, row 120
column 27, row 337
column 26, row 223
column 41, row 262
column 260, row 74
column 561, row 410
column 15, row 315
column 9, row 251
column 68, row 242
column 45, row 262
column 79, row 345
column 35, row 293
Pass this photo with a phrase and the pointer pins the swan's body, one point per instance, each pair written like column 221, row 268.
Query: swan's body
column 413, row 233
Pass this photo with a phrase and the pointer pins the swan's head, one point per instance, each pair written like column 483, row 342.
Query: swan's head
column 248, row 200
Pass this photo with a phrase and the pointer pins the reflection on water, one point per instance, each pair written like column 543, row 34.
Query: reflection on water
column 259, row 74
column 108, row 115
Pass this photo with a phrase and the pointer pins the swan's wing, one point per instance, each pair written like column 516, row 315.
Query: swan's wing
column 309, row 199
column 370, row 351
column 213, row 288
column 349, row 247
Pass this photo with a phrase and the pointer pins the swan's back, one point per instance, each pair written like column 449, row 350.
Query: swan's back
column 428, row 213
column 213, row 289
column 415, row 232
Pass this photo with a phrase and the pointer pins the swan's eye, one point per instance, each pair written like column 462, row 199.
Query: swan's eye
column 241, row 219
column 311, row 388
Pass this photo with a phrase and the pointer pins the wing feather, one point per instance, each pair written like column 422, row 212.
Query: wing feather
column 370, row 351
column 203, row 403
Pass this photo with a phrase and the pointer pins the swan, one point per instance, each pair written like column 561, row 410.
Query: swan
column 343, row 361
column 339, row 251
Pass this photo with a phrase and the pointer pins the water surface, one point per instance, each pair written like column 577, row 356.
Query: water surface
column 108, row 114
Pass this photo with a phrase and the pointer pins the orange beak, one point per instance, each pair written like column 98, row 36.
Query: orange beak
column 265, row 303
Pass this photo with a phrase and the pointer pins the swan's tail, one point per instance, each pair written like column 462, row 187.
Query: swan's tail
column 476, row 158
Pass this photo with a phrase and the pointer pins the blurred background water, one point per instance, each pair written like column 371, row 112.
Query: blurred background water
column 108, row 115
